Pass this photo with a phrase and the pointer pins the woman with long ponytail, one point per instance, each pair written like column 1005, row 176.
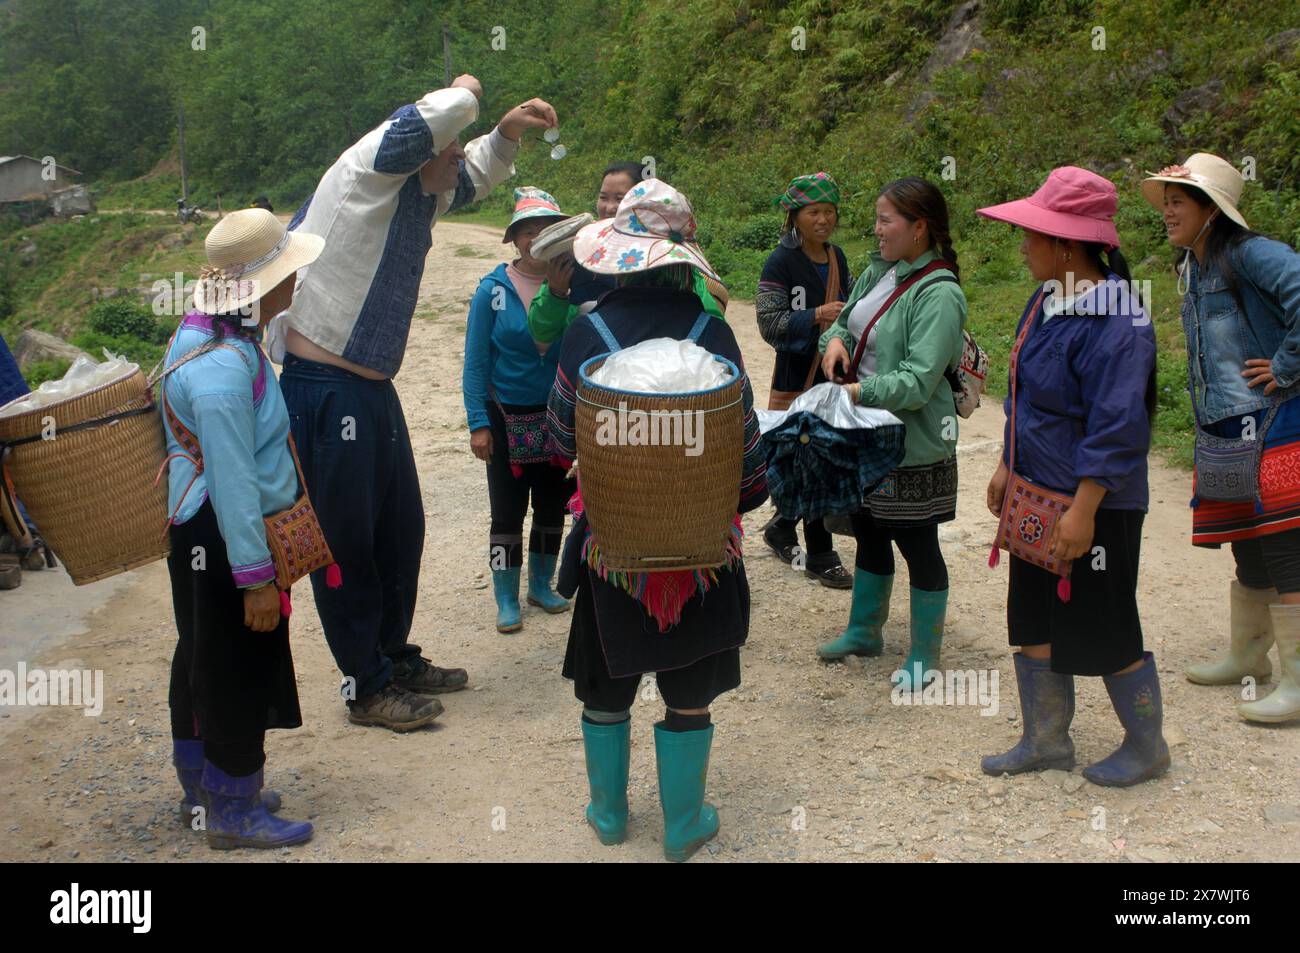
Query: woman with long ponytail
column 893, row 342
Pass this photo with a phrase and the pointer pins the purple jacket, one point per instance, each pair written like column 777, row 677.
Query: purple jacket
column 1081, row 397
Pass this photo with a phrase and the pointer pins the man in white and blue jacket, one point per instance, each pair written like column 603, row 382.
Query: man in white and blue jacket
column 341, row 343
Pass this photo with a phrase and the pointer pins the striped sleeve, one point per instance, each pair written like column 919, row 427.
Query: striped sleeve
column 561, row 413
column 753, row 476
column 782, row 325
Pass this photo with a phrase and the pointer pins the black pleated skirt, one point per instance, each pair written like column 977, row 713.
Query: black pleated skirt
column 237, row 683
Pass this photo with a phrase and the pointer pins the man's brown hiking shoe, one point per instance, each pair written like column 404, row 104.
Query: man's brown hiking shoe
column 396, row 708
column 423, row 678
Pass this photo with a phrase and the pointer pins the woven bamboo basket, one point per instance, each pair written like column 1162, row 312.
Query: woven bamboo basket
column 653, row 507
column 90, row 490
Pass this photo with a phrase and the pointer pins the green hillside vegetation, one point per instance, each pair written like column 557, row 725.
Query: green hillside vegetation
column 720, row 94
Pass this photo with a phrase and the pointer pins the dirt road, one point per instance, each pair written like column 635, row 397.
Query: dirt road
column 810, row 761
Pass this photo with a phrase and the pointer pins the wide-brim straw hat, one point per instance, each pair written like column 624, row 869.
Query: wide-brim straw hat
column 654, row 228
column 249, row 253
column 1073, row 204
column 1217, row 178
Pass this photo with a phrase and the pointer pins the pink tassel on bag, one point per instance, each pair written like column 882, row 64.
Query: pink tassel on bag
column 1063, row 590
column 286, row 607
column 995, row 556
column 334, row 576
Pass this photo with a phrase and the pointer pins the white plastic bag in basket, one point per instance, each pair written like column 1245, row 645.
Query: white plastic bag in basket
column 82, row 376
column 662, row 366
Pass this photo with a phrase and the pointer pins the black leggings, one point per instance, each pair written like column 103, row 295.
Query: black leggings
column 1269, row 562
column 508, row 496
column 918, row 544
column 815, row 534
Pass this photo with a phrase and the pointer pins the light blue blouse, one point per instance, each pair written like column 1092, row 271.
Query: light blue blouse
column 231, row 401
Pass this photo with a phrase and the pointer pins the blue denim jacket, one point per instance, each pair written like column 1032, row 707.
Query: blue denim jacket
column 1221, row 337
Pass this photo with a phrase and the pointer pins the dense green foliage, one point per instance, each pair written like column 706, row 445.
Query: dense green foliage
column 123, row 317
column 730, row 99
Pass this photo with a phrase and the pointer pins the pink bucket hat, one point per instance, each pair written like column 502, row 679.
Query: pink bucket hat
column 1073, row 203
column 654, row 228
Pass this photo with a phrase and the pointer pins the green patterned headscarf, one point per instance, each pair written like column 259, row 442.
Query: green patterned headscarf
column 807, row 189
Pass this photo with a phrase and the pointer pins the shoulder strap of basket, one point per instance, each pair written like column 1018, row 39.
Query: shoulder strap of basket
column 611, row 342
column 698, row 327
column 1012, row 369
column 603, row 330
column 897, row 293
column 184, row 436
column 832, row 295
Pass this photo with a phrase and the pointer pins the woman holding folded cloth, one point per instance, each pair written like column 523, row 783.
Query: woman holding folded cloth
column 897, row 336
column 685, row 626
column 1082, row 396
column 232, row 672
column 801, row 292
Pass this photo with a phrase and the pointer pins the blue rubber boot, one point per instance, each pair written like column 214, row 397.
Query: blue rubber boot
column 541, row 568
column 236, row 816
column 505, row 586
column 609, row 751
column 1046, row 708
column 683, row 763
column 867, row 617
column 928, row 612
column 187, row 755
column 1143, row 754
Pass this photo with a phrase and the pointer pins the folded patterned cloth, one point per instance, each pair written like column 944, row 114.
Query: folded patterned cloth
column 824, row 454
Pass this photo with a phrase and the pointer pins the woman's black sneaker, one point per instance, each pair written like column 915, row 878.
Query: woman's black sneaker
column 832, row 577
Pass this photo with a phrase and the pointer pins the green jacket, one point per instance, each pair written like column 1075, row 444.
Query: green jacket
column 549, row 316
column 917, row 340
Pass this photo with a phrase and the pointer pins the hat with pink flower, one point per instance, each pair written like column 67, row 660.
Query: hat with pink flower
column 654, row 228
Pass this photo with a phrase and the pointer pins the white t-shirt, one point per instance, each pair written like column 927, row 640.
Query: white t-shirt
column 864, row 311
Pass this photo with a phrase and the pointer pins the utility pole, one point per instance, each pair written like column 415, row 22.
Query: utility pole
column 446, row 56
column 180, row 137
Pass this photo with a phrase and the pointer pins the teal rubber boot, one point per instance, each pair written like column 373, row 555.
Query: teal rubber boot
column 867, row 616
column 683, row 762
column 928, row 612
column 541, row 568
column 505, row 586
column 609, row 750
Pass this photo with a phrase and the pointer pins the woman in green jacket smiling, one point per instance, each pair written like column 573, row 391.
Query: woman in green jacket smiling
column 911, row 310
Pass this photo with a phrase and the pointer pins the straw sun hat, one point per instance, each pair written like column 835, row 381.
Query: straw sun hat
column 1216, row 177
column 249, row 253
